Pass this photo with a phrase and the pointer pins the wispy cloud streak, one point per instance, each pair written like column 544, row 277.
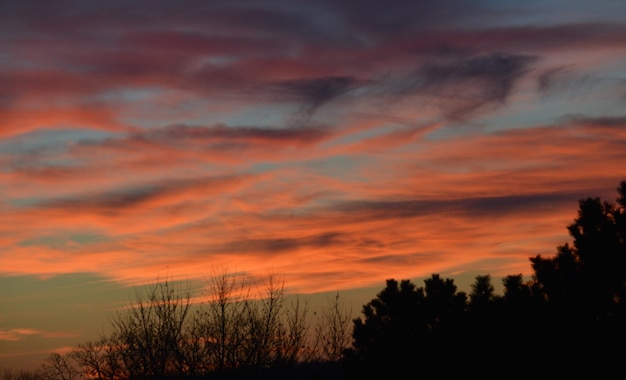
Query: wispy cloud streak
column 338, row 144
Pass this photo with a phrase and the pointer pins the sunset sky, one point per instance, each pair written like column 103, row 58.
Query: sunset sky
column 335, row 143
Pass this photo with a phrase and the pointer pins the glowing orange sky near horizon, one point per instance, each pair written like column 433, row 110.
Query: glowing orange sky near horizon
column 314, row 140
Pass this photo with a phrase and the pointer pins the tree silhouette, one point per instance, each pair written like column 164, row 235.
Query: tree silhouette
column 100, row 359
column 384, row 339
column 150, row 331
column 584, row 285
column 483, row 291
column 442, row 316
column 57, row 367
column 406, row 327
column 334, row 330
column 236, row 333
column 587, row 279
column 250, row 331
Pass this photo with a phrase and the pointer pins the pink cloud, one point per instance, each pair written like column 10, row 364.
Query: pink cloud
column 17, row 334
column 29, row 119
column 445, row 204
column 368, row 162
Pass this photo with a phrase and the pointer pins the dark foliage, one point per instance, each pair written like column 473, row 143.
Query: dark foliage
column 569, row 319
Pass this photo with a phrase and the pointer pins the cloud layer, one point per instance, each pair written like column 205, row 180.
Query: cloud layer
column 334, row 144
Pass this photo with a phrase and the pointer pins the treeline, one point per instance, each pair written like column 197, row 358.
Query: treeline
column 567, row 319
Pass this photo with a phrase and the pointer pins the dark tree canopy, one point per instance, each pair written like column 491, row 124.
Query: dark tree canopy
column 405, row 324
column 589, row 276
column 570, row 317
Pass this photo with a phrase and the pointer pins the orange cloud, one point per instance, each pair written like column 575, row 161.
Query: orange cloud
column 336, row 156
column 17, row 334
column 486, row 200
